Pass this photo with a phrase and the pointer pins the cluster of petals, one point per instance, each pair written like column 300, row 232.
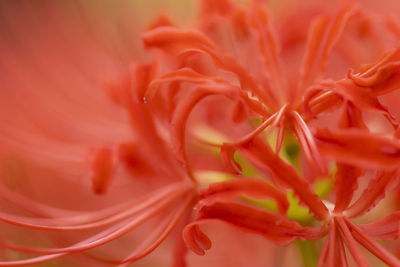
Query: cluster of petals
column 238, row 77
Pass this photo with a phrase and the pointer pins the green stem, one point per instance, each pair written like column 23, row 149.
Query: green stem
column 308, row 253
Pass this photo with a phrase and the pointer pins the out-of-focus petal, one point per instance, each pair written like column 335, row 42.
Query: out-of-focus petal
column 375, row 192
column 350, row 146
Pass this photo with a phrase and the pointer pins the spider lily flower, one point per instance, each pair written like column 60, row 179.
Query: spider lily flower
column 234, row 57
column 286, row 103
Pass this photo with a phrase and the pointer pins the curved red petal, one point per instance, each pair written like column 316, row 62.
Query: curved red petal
column 272, row 226
column 261, row 155
column 252, row 187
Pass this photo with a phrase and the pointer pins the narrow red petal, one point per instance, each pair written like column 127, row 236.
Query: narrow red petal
column 228, row 150
column 274, row 227
column 351, row 243
column 332, row 239
column 374, row 193
column 346, row 185
column 373, row 246
column 95, row 219
column 324, row 253
column 341, row 252
column 269, row 50
column 323, row 35
column 314, row 41
column 336, row 27
column 279, row 139
column 261, row 155
column 306, row 139
column 185, row 75
column 152, row 241
column 349, row 146
column 102, row 237
column 183, row 110
column 252, row 187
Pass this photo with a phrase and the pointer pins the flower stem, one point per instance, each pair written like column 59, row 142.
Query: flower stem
column 308, row 253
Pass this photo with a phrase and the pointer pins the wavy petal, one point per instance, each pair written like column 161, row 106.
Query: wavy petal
column 374, row 193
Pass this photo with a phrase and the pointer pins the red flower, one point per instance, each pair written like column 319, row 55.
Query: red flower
column 292, row 104
column 234, row 62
